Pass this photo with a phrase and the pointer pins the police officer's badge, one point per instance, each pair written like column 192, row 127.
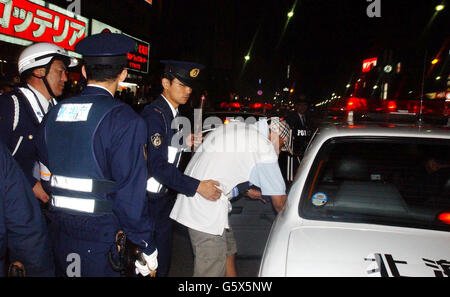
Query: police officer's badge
column 156, row 140
column 194, row 72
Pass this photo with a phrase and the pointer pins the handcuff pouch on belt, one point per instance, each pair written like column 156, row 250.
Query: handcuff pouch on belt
column 128, row 253
column 16, row 269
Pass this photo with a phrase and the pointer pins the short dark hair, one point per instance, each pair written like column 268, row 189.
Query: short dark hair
column 103, row 73
column 168, row 76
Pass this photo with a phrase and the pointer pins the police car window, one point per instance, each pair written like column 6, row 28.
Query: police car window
column 400, row 182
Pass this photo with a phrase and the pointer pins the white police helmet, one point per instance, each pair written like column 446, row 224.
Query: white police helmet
column 40, row 55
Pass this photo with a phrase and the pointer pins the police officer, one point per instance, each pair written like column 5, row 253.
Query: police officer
column 43, row 68
column 22, row 227
column 94, row 148
column 300, row 122
column 163, row 157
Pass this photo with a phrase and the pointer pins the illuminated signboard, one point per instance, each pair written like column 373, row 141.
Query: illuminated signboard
column 38, row 21
column 369, row 64
column 138, row 59
column 149, row 1
column 99, row 27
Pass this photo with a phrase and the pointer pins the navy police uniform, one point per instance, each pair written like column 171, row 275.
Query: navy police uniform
column 20, row 116
column 94, row 147
column 301, row 130
column 165, row 179
column 22, row 227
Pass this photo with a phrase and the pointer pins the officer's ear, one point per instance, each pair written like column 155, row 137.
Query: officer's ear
column 39, row 72
column 165, row 83
column 83, row 71
column 123, row 75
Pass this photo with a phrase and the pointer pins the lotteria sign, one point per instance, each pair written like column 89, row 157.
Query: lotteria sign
column 39, row 21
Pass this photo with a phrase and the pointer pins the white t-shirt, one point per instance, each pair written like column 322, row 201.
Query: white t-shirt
column 232, row 154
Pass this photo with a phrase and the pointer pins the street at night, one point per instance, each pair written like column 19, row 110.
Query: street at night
column 224, row 138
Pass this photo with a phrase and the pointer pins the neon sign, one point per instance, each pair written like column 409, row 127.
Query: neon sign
column 38, row 21
column 138, row 59
column 369, row 64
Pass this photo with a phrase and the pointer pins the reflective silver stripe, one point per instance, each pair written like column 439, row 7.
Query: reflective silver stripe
column 171, row 154
column 71, row 183
column 79, row 204
column 16, row 111
column 44, row 172
column 153, row 185
column 17, row 145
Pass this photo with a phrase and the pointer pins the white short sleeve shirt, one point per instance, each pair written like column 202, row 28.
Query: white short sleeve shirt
column 230, row 155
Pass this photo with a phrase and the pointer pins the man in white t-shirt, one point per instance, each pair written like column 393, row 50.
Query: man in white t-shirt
column 232, row 154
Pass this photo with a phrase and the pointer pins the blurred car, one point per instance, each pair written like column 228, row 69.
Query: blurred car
column 432, row 111
column 405, row 110
column 368, row 200
column 341, row 107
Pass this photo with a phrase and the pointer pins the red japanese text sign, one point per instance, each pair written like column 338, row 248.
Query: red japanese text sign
column 138, row 59
column 31, row 21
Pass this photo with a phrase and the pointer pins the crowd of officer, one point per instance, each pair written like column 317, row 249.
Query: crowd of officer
column 92, row 163
column 87, row 185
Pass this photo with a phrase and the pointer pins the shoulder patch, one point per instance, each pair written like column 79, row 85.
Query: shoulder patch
column 156, row 140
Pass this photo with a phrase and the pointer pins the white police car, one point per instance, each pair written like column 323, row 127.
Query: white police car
column 368, row 200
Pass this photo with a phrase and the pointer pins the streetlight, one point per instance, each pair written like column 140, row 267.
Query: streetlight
column 435, row 61
column 439, row 7
column 290, row 14
column 247, row 57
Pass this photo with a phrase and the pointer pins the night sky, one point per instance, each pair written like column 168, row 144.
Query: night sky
column 325, row 41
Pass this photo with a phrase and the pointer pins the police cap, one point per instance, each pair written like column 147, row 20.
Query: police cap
column 186, row 72
column 105, row 49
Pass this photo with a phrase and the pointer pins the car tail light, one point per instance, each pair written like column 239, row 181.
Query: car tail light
column 268, row 106
column 235, row 105
column 224, row 105
column 444, row 218
column 356, row 104
column 257, row 105
column 392, row 105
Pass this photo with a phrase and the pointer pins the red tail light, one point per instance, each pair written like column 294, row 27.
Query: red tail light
column 257, row 105
column 268, row 106
column 392, row 105
column 235, row 105
column 356, row 104
column 444, row 217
